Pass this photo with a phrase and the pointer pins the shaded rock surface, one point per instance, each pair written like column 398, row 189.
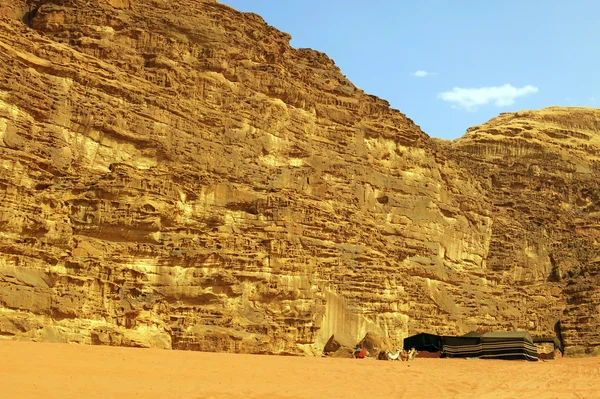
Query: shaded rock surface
column 336, row 342
column 374, row 344
column 343, row 353
column 174, row 174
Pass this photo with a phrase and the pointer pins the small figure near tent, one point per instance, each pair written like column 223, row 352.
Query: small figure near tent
column 360, row 354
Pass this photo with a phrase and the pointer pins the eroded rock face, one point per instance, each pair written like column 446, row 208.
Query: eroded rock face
column 541, row 170
column 174, row 174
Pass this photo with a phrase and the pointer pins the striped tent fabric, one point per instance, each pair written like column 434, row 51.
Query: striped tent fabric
column 493, row 345
column 463, row 350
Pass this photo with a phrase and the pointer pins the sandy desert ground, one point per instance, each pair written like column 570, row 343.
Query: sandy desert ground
column 41, row 370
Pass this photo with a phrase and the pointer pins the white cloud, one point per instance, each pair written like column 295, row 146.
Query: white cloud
column 501, row 96
column 421, row 74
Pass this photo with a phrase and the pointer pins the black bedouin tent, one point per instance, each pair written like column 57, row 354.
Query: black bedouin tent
column 509, row 345
column 493, row 345
column 424, row 342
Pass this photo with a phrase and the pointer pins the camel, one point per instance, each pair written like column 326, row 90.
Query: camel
column 404, row 355
column 412, row 354
column 387, row 355
column 399, row 355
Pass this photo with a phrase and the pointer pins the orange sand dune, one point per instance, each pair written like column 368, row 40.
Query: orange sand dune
column 39, row 370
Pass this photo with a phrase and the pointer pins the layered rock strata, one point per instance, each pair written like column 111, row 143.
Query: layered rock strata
column 174, row 174
column 541, row 170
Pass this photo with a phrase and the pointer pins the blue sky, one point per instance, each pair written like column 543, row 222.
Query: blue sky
column 452, row 64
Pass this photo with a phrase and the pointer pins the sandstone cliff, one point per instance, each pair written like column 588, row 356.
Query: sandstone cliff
column 173, row 174
column 540, row 170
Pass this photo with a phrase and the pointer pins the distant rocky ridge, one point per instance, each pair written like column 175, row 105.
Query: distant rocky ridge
column 173, row 174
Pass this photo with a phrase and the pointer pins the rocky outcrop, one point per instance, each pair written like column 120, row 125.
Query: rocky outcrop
column 174, row 174
column 540, row 170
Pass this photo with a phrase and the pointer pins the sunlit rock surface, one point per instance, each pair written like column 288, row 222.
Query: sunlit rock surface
column 173, row 174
